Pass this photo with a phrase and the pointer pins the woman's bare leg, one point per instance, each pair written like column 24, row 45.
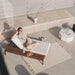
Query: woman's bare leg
column 35, row 45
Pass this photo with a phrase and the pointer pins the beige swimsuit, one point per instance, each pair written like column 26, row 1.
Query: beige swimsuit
column 22, row 38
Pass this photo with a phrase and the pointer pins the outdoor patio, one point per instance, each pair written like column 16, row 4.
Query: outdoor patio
column 19, row 65
column 20, row 61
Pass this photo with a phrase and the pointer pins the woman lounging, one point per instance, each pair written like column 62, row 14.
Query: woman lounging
column 27, row 42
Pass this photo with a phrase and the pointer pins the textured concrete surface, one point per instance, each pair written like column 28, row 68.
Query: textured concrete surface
column 21, row 7
column 16, row 63
column 66, row 68
column 45, row 21
column 56, row 55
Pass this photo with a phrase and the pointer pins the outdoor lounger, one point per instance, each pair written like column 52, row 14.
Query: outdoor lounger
column 38, row 52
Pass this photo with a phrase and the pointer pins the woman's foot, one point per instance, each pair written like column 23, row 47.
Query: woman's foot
column 29, row 54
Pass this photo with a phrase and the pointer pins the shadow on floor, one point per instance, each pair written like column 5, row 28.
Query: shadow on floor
column 55, row 31
column 8, row 30
column 6, row 27
column 65, row 25
column 7, row 37
column 30, row 18
column 8, row 34
column 5, row 42
column 42, row 74
column 38, row 38
column 21, row 70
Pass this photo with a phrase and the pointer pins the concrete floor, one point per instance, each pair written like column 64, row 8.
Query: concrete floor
column 17, row 66
column 66, row 68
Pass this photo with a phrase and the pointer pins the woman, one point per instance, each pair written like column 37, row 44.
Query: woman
column 24, row 39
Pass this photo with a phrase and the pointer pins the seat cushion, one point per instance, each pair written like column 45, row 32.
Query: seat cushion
column 43, row 48
column 18, row 43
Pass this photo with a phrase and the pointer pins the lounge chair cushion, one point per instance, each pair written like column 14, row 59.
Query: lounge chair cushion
column 18, row 43
column 42, row 48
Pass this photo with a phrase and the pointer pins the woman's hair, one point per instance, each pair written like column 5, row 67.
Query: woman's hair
column 19, row 28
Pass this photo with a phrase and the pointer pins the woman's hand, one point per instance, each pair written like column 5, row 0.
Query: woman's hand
column 28, row 43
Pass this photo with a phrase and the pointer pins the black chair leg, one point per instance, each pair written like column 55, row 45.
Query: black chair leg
column 42, row 62
column 5, row 53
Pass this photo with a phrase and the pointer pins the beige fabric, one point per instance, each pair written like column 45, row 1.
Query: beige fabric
column 56, row 55
column 22, row 38
column 42, row 48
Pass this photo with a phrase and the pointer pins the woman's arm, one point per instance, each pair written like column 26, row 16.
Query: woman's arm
column 27, row 40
